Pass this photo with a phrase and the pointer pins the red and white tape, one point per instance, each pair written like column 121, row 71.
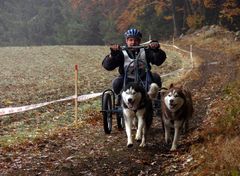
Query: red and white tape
column 12, row 110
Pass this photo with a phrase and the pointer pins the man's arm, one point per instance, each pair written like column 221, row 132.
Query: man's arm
column 113, row 60
column 155, row 55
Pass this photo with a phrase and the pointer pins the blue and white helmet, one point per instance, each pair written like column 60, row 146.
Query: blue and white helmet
column 133, row 33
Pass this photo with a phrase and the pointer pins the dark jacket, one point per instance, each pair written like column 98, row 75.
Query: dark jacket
column 116, row 59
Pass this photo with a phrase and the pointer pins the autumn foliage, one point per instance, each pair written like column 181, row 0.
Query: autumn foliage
column 184, row 15
column 97, row 22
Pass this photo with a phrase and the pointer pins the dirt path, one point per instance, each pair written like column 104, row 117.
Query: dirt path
column 88, row 151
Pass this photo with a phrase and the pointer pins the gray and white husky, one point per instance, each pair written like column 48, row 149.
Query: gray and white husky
column 177, row 109
column 137, row 103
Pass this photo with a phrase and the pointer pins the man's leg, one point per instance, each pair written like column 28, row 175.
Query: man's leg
column 117, row 85
column 157, row 103
column 157, row 79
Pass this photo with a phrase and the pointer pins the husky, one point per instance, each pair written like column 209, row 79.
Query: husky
column 137, row 106
column 177, row 109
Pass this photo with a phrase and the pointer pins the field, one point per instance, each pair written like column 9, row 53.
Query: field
column 31, row 75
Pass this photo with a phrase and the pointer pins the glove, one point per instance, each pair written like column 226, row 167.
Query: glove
column 115, row 47
column 154, row 44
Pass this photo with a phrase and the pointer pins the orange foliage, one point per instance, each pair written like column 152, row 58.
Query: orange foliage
column 75, row 3
column 109, row 8
column 136, row 8
column 160, row 6
column 129, row 16
column 125, row 20
column 195, row 21
column 230, row 9
column 209, row 3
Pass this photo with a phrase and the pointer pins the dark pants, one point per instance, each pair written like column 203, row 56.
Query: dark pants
column 117, row 83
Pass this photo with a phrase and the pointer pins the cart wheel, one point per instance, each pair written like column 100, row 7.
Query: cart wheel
column 120, row 121
column 107, row 113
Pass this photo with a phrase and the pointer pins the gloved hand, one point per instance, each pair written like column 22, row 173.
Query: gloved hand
column 154, row 44
column 114, row 47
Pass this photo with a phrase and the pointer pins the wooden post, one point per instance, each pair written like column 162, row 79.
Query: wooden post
column 191, row 56
column 173, row 43
column 76, row 93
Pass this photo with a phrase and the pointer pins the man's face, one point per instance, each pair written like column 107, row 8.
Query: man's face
column 131, row 41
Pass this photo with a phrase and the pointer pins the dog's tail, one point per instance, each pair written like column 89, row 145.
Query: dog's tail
column 153, row 91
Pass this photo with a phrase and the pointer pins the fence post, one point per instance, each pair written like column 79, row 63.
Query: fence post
column 191, row 56
column 76, row 93
column 173, row 43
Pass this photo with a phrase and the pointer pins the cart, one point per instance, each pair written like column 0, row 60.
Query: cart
column 109, row 107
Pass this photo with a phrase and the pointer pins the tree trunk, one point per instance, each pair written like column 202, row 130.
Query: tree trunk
column 175, row 28
column 203, row 12
column 185, row 15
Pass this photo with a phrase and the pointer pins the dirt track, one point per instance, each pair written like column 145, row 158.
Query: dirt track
column 88, row 151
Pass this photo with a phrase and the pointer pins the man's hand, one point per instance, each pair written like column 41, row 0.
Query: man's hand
column 154, row 45
column 115, row 47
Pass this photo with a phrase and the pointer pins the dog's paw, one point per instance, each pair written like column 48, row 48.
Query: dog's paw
column 143, row 144
column 173, row 148
column 138, row 138
column 130, row 145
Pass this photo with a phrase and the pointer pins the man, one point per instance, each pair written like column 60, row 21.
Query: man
column 121, row 58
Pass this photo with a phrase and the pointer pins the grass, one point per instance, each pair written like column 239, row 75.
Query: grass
column 32, row 75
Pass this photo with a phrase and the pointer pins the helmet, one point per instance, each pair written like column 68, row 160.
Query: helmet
column 133, row 33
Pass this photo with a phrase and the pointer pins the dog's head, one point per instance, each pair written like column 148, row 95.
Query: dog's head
column 174, row 98
column 132, row 95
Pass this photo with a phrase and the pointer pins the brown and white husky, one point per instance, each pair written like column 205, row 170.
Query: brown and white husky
column 177, row 109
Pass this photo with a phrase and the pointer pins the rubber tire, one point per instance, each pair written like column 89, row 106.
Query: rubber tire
column 107, row 116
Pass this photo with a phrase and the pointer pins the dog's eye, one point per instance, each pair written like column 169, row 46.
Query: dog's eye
column 130, row 93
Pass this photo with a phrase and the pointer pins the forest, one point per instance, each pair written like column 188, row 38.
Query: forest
column 99, row 22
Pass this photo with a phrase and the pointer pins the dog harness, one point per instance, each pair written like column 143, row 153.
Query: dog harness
column 129, row 64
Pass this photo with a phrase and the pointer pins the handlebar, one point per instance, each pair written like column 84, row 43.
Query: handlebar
column 133, row 47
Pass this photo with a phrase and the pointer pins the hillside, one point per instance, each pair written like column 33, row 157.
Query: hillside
column 214, row 144
column 84, row 149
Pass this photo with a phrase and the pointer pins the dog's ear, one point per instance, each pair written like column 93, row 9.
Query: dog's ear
column 163, row 91
column 171, row 86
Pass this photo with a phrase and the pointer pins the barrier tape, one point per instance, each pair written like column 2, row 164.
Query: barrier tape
column 181, row 69
column 12, row 110
column 172, row 73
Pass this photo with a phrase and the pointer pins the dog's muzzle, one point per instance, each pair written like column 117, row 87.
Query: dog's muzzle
column 130, row 103
column 172, row 105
